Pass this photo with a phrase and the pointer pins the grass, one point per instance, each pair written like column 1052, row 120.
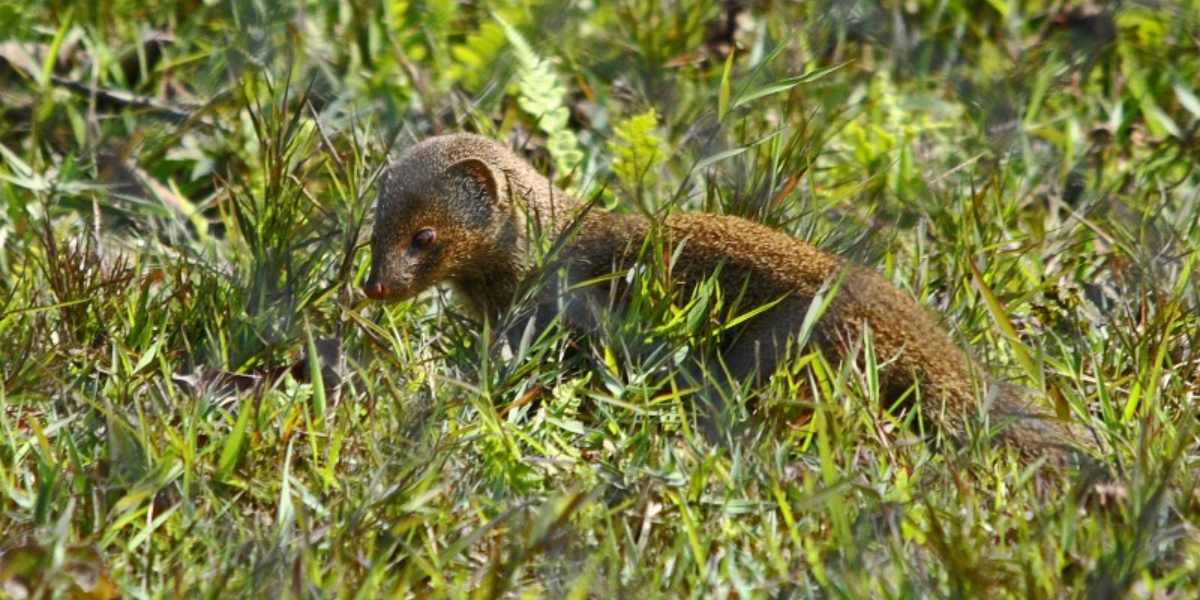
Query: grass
column 195, row 399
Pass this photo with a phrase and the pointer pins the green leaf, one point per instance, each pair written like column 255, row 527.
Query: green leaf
column 542, row 95
column 718, row 157
column 1187, row 98
column 726, row 89
column 1000, row 318
column 24, row 175
column 286, row 513
column 786, row 84
column 231, row 450
column 1001, row 7
column 148, row 356
column 637, row 150
column 525, row 54
column 55, row 46
column 732, row 152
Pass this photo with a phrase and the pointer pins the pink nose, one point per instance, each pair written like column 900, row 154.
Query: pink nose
column 374, row 290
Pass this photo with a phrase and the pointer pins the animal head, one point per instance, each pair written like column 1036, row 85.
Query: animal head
column 442, row 212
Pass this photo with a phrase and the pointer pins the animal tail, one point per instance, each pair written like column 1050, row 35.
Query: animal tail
column 1030, row 428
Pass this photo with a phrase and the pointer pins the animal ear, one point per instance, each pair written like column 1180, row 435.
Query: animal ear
column 478, row 173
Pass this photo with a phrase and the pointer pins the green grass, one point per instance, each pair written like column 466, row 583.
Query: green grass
column 186, row 191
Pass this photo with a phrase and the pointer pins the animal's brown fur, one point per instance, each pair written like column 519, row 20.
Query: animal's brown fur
column 483, row 203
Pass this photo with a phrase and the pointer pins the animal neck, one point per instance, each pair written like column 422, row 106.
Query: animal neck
column 489, row 292
column 547, row 209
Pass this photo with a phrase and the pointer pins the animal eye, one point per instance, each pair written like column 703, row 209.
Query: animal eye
column 423, row 238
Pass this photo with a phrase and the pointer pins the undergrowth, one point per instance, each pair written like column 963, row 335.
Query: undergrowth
column 196, row 400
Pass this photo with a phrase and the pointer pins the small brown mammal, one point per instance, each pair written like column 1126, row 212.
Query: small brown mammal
column 461, row 209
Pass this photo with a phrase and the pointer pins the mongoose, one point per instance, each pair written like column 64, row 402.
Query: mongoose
column 465, row 210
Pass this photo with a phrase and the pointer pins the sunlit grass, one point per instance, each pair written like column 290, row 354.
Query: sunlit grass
column 195, row 399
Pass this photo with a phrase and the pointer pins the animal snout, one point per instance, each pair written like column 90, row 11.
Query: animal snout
column 374, row 289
